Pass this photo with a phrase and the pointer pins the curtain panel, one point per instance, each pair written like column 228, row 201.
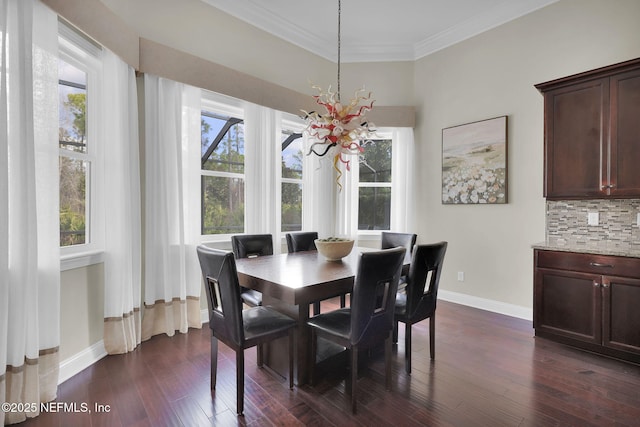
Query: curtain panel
column 319, row 191
column 262, row 158
column 403, row 194
column 172, row 282
column 29, row 207
column 122, row 255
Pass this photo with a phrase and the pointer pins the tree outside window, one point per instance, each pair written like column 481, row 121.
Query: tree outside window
column 222, row 174
column 292, row 155
column 74, row 162
column 374, row 193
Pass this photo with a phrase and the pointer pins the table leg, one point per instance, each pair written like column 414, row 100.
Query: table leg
column 276, row 353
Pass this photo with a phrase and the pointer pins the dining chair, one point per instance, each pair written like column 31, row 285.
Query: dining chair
column 389, row 239
column 418, row 300
column 250, row 246
column 237, row 328
column 369, row 320
column 305, row 241
column 301, row 241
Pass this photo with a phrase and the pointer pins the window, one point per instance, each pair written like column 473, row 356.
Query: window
column 292, row 155
column 222, row 173
column 79, row 150
column 75, row 164
column 374, row 189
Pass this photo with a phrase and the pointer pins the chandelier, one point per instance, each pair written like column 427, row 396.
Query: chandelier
column 341, row 128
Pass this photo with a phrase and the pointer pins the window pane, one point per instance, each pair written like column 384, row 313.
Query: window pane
column 292, row 156
column 291, row 207
column 374, row 209
column 73, row 179
column 222, row 143
column 375, row 162
column 222, row 205
column 72, row 98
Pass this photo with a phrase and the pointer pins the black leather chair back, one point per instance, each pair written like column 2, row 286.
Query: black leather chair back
column 423, row 280
column 391, row 240
column 374, row 295
column 223, row 294
column 301, row 241
column 250, row 245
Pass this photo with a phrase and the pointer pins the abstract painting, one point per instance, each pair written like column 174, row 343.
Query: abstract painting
column 474, row 162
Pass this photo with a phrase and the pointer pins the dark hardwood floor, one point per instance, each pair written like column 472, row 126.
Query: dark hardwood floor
column 489, row 371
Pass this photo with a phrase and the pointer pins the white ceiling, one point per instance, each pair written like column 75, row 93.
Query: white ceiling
column 376, row 30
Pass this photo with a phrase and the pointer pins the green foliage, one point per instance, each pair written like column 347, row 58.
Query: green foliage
column 73, row 175
column 76, row 103
column 222, row 197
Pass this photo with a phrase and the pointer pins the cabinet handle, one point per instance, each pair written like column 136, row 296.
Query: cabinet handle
column 597, row 264
column 605, row 285
column 606, row 187
column 596, row 284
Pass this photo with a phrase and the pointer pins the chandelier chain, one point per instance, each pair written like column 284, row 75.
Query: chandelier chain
column 339, row 13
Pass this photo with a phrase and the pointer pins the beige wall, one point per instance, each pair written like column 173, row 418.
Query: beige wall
column 490, row 75
column 193, row 27
column 493, row 75
column 82, row 309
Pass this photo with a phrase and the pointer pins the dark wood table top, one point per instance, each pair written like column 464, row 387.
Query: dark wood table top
column 301, row 277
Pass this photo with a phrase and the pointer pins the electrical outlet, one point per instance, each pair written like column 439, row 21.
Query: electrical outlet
column 460, row 276
column 593, row 218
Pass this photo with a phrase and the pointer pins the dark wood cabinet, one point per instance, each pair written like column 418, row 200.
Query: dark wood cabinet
column 592, row 133
column 589, row 301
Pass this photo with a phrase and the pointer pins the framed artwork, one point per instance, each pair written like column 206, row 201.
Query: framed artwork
column 474, row 162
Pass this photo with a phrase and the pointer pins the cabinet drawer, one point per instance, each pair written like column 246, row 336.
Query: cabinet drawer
column 589, row 263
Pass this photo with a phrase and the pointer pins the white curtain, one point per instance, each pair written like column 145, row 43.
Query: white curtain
column 318, row 193
column 347, row 199
column 403, row 194
column 262, row 154
column 172, row 281
column 122, row 264
column 29, row 233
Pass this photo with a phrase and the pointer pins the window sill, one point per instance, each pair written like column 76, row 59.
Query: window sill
column 369, row 235
column 79, row 260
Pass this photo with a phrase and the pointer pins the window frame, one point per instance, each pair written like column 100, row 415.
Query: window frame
column 84, row 55
column 295, row 125
column 224, row 106
column 366, row 235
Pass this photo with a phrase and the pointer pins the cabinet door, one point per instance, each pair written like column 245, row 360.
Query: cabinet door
column 576, row 134
column 621, row 313
column 625, row 134
column 568, row 304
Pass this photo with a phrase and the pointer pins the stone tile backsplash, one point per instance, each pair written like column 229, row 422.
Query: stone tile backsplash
column 567, row 222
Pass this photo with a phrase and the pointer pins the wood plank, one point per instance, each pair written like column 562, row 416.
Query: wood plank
column 489, row 370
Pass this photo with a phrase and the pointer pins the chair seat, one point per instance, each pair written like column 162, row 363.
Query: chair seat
column 337, row 323
column 251, row 297
column 261, row 321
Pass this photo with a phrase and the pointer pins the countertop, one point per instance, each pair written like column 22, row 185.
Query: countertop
column 599, row 248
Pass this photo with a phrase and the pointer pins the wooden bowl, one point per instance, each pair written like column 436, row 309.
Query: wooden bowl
column 334, row 250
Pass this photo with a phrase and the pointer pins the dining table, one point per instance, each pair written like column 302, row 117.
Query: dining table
column 290, row 283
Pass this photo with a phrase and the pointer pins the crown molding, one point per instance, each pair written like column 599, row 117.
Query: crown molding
column 508, row 11
column 256, row 14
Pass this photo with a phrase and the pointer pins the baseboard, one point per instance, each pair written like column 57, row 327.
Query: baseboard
column 487, row 304
column 75, row 364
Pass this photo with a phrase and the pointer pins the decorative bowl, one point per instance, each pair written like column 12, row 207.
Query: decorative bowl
column 334, row 248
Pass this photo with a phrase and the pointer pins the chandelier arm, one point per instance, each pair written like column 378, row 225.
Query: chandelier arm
column 321, row 153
